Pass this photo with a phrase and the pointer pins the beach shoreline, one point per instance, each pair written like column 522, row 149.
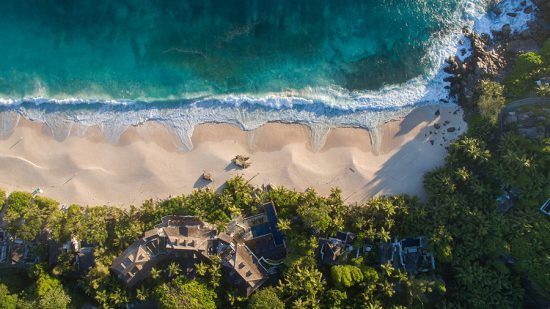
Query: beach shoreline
column 147, row 161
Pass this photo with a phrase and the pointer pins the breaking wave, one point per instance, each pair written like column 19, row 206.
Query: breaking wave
column 320, row 108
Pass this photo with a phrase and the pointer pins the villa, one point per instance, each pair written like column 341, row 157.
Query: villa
column 335, row 250
column 250, row 248
column 183, row 238
column 413, row 255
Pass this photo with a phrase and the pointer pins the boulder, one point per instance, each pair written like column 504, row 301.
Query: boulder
column 207, row 176
column 241, row 161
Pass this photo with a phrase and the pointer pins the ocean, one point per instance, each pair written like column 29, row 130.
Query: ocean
column 323, row 63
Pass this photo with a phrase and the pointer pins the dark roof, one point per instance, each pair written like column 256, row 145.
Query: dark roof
column 168, row 240
column 332, row 248
column 410, row 242
column 245, row 270
column 85, row 259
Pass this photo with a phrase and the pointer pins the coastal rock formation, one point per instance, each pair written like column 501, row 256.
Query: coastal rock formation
column 490, row 57
column 531, row 121
column 487, row 59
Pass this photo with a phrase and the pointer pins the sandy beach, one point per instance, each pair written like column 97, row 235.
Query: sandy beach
column 147, row 161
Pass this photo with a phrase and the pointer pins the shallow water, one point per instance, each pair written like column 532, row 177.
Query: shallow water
column 319, row 62
column 124, row 49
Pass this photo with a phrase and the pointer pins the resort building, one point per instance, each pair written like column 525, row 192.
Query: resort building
column 337, row 249
column 183, row 238
column 250, row 249
column 83, row 255
column 413, row 255
column 243, row 269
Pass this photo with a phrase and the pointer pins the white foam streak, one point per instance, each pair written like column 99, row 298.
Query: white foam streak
column 321, row 108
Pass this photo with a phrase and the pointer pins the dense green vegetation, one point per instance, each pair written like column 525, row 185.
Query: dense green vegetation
column 490, row 100
column 468, row 233
column 486, row 256
column 520, row 81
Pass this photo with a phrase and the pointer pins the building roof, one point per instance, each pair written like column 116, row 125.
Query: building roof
column 333, row 248
column 174, row 234
column 413, row 255
column 249, row 241
column 245, row 267
column 85, row 259
column 245, row 243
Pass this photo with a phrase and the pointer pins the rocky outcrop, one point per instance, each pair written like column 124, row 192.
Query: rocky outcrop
column 490, row 56
column 528, row 124
column 487, row 59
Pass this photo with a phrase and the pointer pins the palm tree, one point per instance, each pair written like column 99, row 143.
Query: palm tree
column 173, row 270
column 283, row 225
column 155, row 273
column 141, row 293
column 201, row 269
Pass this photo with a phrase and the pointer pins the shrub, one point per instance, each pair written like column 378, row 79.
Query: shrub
column 346, row 276
column 490, row 100
column 266, row 299
column 522, row 78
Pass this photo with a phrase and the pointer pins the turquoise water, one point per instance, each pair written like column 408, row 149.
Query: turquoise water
column 183, row 49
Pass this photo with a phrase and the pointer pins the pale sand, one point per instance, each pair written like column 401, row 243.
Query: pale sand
column 147, row 163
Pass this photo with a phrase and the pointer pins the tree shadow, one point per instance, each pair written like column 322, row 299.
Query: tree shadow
column 403, row 172
column 231, row 167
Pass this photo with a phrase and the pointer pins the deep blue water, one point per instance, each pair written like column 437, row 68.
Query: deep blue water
column 130, row 49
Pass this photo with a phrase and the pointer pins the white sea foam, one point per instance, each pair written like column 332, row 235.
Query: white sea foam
column 317, row 107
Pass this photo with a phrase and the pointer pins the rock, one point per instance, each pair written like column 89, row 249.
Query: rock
column 512, row 14
column 207, row 176
column 437, row 125
column 241, row 161
column 268, row 187
column 521, row 46
column 532, row 133
column 437, row 112
column 523, row 3
column 528, row 10
column 432, row 142
column 509, row 119
column 506, row 30
column 451, row 129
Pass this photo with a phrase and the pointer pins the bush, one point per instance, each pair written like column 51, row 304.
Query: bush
column 181, row 293
column 522, row 78
column 266, row 299
column 345, row 276
column 490, row 100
